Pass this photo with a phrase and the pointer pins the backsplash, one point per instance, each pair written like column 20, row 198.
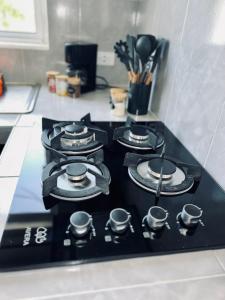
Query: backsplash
column 101, row 21
column 191, row 100
column 190, row 92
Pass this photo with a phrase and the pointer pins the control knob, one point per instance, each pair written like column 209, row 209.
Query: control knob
column 80, row 223
column 156, row 217
column 190, row 215
column 119, row 220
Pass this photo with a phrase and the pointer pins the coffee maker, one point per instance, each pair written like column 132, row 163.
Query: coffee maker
column 82, row 58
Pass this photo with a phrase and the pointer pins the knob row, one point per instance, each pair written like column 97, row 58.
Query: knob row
column 119, row 219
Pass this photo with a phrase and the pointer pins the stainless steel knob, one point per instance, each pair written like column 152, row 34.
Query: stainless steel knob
column 80, row 223
column 191, row 214
column 119, row 220
column 156, row 217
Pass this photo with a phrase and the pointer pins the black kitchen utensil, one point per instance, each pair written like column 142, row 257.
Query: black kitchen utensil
column 131, row 43
column 136, row 63
column 144, row 49
column 152, row 39
column 159, row 53
column 121, row 50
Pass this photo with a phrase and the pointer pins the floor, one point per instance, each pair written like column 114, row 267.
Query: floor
column 183, row 276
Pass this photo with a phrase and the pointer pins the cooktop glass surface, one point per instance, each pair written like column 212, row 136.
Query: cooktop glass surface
column 37, row 237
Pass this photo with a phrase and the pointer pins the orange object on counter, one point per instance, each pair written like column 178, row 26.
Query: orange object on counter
column 1, row 85
column 51, row 78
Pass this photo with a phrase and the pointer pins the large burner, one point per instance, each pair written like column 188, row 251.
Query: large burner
column 158, row 166
column 73, row 138
column 152, row 171
column 136, row 136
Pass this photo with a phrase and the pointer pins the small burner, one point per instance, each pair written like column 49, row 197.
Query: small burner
column 139, row 133
column 136, row 136
column 73, row 138
column 158, row 165
column 76, row 171
column 75, row 129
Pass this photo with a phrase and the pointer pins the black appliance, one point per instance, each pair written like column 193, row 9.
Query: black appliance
column 82, row 59
column 140, row 194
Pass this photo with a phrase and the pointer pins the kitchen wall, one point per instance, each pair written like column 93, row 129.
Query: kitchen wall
column 190, row 91
column 190, row 95
column 101, row 21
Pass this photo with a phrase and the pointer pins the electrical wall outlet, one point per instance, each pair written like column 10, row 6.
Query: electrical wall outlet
column 106, row 58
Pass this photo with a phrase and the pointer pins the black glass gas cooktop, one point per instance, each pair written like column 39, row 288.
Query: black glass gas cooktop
column 133, row 204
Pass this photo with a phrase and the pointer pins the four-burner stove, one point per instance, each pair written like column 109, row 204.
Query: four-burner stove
column 94, row 191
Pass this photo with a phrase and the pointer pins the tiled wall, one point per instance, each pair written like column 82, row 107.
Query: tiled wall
column 101, row 21
column 190, row 94
column 190, row 97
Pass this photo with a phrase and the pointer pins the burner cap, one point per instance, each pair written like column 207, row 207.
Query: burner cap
column 74, row 129
column 137, row 130
column 139, row 133
column 76, row 171
column 157, row 164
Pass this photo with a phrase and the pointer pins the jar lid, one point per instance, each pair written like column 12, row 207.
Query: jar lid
column 119, row 97
column 52, row 73
column 62, row 77
column 74, row 80
column 117, row 90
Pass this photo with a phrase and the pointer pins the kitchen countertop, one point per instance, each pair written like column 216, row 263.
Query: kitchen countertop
column 180, row 276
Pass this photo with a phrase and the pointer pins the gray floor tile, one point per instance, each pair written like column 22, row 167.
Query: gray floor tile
column 116, row 274
column 207, row 289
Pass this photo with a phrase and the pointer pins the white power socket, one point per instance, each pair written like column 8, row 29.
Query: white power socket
column 106, row 58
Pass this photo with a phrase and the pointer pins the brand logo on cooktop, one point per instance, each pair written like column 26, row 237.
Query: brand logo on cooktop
column 40, row 235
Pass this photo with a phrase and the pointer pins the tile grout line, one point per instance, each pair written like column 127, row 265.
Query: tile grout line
column 185, row 20
column 23, row 65
column 214, row 134
column 176, row 65
column 119, row 288
column 219, row 261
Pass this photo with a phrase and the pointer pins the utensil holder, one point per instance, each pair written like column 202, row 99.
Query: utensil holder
column 138, row 98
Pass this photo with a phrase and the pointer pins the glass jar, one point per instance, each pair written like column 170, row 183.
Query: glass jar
column 74, row 87
column 51, row 80
column 61, row 85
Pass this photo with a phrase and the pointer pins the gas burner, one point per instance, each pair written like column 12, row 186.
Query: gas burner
column 76, row 178
column 155, row 166
column 138, row 134
column 75, row 129
column 161, row 175
column 140, row 137
column 73, row 138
